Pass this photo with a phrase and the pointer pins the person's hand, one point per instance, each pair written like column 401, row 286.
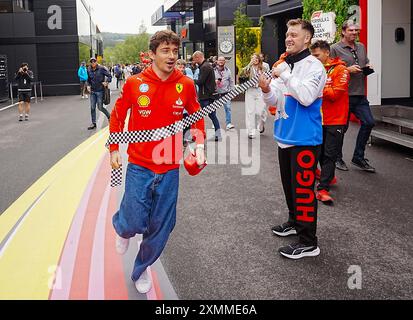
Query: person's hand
column 200, row 155
column 264, row 83
column 115, row 160
column 354, row 69
column 21, row 70
column 105, row 84
column 88, row 88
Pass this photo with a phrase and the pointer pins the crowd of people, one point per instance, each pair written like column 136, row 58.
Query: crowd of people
column 313, row 89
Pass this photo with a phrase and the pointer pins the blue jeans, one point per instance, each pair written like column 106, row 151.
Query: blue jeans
column 212, row 116
column 96, row 98
column 360, row 107
column 148, row 207
column 227, row 108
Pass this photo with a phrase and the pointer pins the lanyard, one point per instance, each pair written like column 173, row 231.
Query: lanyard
column 174, row 128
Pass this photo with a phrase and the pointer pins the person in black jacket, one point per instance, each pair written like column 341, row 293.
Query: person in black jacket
column 24, row 78
column 207, row 88
column 98, row 78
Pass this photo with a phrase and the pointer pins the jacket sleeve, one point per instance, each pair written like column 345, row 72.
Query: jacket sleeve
column 107, row 74
column 119, row 112
column 275, row 97
column 198, row 128
column 339, row 86
column 202, row 78
column 308, row 88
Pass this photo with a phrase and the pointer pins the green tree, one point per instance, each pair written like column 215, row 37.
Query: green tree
column 129, row 50
column 340, row 7
column 246, row 39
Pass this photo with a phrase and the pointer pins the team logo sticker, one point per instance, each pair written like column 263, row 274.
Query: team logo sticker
column 143, row 88
column 144, row 101
column 179, row 87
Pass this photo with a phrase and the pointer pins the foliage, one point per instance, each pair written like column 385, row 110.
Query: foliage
column 340, row 7
column 246, row 39
column 84, row 53
column 112, row 39
column 129, row 50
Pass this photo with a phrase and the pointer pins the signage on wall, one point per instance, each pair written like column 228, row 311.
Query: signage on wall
column 324, row 25
column 55, row 19
column 226, row 46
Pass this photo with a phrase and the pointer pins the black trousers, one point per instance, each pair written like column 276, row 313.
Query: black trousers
column 332, row 143
column 297, row 167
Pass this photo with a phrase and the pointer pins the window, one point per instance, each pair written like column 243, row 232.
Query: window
column 6, row 6
column 9, row 6
column 22, row 5
column 254, row 2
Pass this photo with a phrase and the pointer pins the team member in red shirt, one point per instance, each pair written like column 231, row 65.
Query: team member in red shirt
column 335, row 113
column 156, row 98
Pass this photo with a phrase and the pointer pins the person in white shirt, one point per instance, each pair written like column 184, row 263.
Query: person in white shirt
column 296, row 91
column 254, row 104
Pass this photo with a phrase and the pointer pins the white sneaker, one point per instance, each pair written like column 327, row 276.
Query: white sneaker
column 144, row 283
column 261, row 127
column 230, row 126
column 122, row 245
column 86, row 96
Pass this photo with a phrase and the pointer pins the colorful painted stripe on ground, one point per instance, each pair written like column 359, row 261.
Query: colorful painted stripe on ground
column 57, row 241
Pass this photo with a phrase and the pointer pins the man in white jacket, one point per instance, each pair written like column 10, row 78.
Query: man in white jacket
column 296, row 90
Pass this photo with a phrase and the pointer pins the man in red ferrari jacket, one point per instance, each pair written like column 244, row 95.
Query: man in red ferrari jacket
column 335, row 110
column 156, row 98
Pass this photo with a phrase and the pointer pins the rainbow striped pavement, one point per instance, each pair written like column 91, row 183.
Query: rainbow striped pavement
column 57, row 241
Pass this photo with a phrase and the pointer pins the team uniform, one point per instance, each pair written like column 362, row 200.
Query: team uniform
column 297, row 93
column 335, row 114
column 152, row 180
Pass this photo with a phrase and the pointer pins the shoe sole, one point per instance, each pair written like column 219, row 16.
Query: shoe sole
column 285, row 234
column 329, row 203
column 342, row 169
column 314, row 253
column 143, row 291
column 367, row 170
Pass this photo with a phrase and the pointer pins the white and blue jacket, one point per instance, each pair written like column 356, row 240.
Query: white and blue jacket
column 297, row 94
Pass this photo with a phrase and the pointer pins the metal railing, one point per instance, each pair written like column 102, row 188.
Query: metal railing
column 35, row 84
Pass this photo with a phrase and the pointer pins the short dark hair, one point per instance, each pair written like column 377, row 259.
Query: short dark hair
column 24, row 64
column 347, row 24
column 321, row 44
column 305, row 25
column 160, row 37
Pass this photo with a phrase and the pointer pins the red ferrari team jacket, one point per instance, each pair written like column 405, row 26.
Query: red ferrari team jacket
column 335, row 96
column 154, row 104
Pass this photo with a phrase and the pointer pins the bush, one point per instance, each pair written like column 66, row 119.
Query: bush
column 340, row 7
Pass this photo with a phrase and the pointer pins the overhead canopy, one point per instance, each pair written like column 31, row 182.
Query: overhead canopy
column 163, row 18
column 185, row 5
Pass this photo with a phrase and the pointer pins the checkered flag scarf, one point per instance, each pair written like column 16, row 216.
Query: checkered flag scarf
column 162, row 133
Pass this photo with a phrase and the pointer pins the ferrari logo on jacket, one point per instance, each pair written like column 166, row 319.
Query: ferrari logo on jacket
column 179, row 87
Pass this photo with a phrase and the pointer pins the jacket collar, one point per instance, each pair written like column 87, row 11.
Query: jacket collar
column 293, row 59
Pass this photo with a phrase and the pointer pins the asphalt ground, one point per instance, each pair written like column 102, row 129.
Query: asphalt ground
column 29, row 149
column 222, row 246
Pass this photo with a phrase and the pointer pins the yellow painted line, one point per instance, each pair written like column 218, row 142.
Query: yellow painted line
column 31, row 257
column 9, row 217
